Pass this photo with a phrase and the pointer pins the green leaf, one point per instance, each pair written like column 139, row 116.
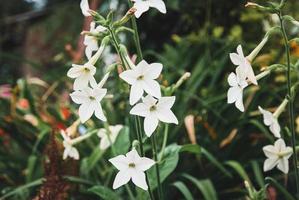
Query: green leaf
column 122, row 143
column 183, row 189
column 205, row 186
column 239, row 169
column 104, row 192
column 258, row 173
column 215, row 162
column 281, row 188
column 191, row 148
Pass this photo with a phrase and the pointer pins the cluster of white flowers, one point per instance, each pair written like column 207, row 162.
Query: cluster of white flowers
column 238, row 81
column 142, row 78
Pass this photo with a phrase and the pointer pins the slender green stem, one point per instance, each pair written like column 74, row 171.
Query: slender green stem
column 116, row 44
column 291, row 102
column 164, row 141
column 155, row 154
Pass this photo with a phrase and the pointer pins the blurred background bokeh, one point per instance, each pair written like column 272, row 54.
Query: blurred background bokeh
column 40, row 39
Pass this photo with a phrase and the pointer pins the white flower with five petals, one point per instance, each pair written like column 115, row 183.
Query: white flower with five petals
column 237, row 83
column 142, row 78
column 131, row 167
column 85, row 8
column 153, row 111
column 241, row 61
column 83, row 74
column 144, row 5
column 271, row 121
column 91, row 42
column 108, row 137
column 277, row 155
column 89, row 100
column 69, row 150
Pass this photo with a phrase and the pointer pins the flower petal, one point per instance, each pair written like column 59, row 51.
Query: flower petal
column 283, row 165
column 120, row 162
column 166, row 116
column 233, row 94
column 75, row 71
column 275, row 128
column 159, row 4
column 138, row 178
column 267, row 116
column 166, row 102
column 141, row 7
column 129, row 76
column 84, row 8
column 79, row 97
column 140, row 109
column 280, row 145
column 232, row 79
column 153, row 71
column 270, row 151
column 270, row 163
column 85, row 111
column 121, row 178
column 150, row 124
column 99, row 112
column 151, row 87
column 136, row 93
column 144, row 164
column 132, row 156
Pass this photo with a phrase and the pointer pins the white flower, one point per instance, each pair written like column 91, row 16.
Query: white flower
column 240, row 60
column 131, row 166
column 154, row 111
column 85, row 8
column 108, row 137
column 271, row 121
column 277, row 155
column 83, row 74
column 141, row 78
column 235, row 93
column 89, row 100
column 91, row 42
column 69, row 150
column 143, row 6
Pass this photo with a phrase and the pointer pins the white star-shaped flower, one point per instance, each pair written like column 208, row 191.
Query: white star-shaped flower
column 144, row 5
column 85, row 8
column 91, row 42
column 131, row 166
column 240, row 60
column 89, row 100
column 153, row 111
column 277, row 155
column 142, row 78
column 237, row 83
column 108, row 137
column 69, row 150
column 83, row 74
column 271, row 121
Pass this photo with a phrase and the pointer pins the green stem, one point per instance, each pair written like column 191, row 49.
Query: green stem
column 155, row 152
column 164, row 141
column 291, row 102
column 117, row 47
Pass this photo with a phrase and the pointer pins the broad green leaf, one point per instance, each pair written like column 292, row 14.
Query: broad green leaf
column 183, row 189
column 205, row 186
column 191, row 148
column 122, row 143
column 104, row 192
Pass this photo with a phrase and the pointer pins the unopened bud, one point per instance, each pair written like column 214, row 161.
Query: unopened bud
column 126, row 18
column 97, row 17
column 135, row 144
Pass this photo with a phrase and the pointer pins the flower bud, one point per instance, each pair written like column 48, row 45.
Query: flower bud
column 135, row 144
column 97, row 17
column 126, row 18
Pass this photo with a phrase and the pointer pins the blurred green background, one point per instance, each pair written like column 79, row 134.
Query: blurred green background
column 40, row 39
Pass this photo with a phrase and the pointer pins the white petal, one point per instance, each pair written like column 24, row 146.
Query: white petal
column 233, row 94
column 153, row 71
column 159, row 4
column 270, row 163
column 144, row 164
column 99, row 93
column 151, row 87
column 66, row 152
column 141, row 7
column 105, row 143
column 275, row 129
column 250, row 74
column 79, row 97
column 100, row 28
column 102, row 133
column 283, row 165
column 82, row 81
column 133, row 156
column 149, row 100
column 120, row 162
column 166, row 102
column 136, row 93
column 129, row 76
column 75, row 71
column 280, row 145
column 239, row 103
column 166, row 116
column 85, row 111
column 84, row 8
column 99, row 112
column 232, row 79
column 240, row 51
column 121, row 178
column 270, row 151
column 140, row 109
column 73, row 153
column 150, row 124
column 267, row 116
column 235, row 58
column 138, row 178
